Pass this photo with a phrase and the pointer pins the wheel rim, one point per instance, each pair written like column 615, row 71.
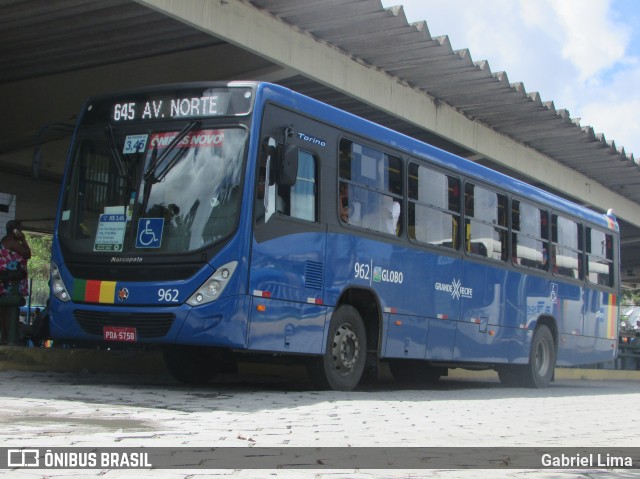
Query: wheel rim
column 345, row 350
column 542, row 358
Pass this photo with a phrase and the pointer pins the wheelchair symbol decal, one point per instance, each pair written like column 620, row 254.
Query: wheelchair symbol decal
column 149, row 232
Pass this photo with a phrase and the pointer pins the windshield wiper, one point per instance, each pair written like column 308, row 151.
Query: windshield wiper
column 153, row 167
column 122, row 171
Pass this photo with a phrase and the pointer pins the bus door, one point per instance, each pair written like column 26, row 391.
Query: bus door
column 288, row 251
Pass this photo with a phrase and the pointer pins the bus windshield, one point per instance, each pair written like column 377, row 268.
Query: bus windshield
column 152, row 191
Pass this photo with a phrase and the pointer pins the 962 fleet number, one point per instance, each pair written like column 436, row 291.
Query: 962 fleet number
column 167, row 295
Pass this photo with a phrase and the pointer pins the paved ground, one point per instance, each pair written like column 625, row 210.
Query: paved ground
column 82, row 409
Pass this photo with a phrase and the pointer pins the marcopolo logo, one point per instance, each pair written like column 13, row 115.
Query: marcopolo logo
column 456, row 289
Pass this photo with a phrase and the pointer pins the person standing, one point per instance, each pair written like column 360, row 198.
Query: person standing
column 14, row 254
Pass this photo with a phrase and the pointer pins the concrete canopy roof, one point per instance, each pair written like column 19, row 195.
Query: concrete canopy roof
column 43, row 38
column 385, row 40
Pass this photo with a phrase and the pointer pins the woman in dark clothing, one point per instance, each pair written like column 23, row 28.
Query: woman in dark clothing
column 14, row 253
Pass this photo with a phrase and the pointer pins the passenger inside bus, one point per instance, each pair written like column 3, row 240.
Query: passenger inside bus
column 392, row 211
column 392, row 215
column 350, row 209
column 343, row 202
column 381, row 212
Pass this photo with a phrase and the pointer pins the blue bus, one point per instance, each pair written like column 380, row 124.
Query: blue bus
column 219, row 221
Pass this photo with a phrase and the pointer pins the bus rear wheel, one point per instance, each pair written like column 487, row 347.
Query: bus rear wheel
column 342, row 364
column 538, row 373
column 192, row 365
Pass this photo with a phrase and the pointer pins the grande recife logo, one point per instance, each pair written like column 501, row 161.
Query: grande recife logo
column 455, row 288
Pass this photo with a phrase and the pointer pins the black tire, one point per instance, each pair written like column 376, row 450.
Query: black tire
column 408, row 371
column 193, row 365
column 342, row 364
column 542, row 359
column 538, row 373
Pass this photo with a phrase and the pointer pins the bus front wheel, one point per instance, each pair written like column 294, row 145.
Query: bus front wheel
column 342, row 364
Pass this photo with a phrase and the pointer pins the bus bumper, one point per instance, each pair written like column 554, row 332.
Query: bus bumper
column 223, row 323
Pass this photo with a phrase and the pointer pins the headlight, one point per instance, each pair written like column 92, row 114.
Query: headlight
column 58, row 288
column 213, row 287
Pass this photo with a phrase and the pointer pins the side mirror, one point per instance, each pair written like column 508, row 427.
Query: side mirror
column 271, row 162
column 288, row 166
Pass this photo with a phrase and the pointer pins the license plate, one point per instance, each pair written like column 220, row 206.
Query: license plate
column 118, row 333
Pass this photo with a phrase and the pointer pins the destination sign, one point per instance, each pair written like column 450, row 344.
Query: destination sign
column 158, row 105
column 174, row 108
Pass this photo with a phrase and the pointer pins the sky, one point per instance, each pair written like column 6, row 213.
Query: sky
column 584, row 55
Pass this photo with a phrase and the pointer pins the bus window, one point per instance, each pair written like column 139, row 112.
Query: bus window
column 370, row 188
column 599, row 257
column 486, row 222
column 298, row 200
column 529, row 225
column 434, row 207
column 566, row 247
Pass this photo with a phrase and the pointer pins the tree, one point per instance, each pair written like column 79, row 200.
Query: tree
column 39, row 266
column 631, row 296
